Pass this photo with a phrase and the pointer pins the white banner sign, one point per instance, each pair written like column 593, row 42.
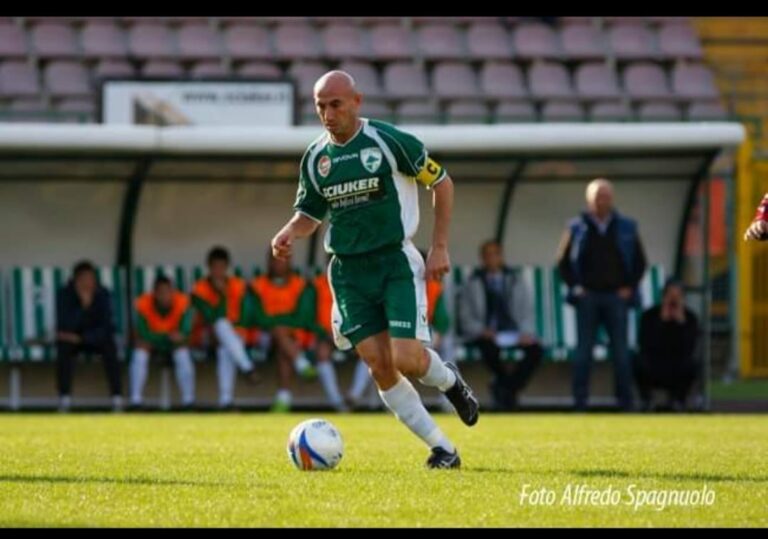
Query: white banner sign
column 267, row 103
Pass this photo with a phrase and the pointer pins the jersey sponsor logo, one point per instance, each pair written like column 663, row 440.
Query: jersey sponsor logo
column 399, row 324
column 371, row 159
column 324, row 166
column 345, row 157
column 353, row 193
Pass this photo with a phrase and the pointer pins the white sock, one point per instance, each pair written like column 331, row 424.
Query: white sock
column 284, row 396
column 301, row 363
column 139, row 368
column 327, row 375
column 437, row 375
column 185, row 374
column 406, row 404
column 360, row 380
column 227, row 372
column 229, row 338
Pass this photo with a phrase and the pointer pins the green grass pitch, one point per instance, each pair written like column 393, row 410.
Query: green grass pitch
column 233, row 470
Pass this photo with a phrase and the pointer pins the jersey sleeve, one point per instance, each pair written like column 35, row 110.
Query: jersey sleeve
column 308, row 200
column 412, row 157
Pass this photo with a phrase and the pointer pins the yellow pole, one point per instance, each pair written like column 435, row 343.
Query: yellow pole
column 746, row 203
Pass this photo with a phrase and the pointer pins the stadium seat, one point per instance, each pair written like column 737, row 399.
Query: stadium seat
column 296, row 41
column 678, row 40
column 377, row 110
column 699, row 111
column 247, row 42
column 162, row 68
column 693, row 81
column 440, row 42
column 85, row 107
column 417, row 112
column 18, row 79
column 198, row 42
column 54, row 40
column 366, row 78
column 582, row 42
column 646, row 81
column 64, row 78
column 405, row 80
column 659, row 111
column 208, row 69
column 467, row 112
column 610, row 111
column 562, row 111
column 515, row 111
column 13, row 42
column 113, row 68
column 596, row 80
column 631, row 41
column 259, row 70
column 488, row 41
column 306, row 74
column 344, row 40
column 151, row 40
column 502, row 80
column 103, row 39
column 549, row 80
column 536, row 41
column 451, row 80
column 391, row 42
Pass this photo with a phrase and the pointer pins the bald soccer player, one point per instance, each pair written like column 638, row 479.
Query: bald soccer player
column 364, row 174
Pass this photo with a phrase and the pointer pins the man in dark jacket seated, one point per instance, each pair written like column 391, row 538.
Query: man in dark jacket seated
column 84, row 324
column 668, row 334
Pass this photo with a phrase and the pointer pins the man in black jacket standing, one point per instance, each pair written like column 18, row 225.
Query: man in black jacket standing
column 602, row 261
column 84, row 324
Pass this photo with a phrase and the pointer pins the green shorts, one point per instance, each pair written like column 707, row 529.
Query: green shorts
column 379, row 291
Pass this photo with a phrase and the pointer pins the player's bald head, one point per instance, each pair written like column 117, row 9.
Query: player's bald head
column 337, row 103
column 596, row 186
column 335, row 83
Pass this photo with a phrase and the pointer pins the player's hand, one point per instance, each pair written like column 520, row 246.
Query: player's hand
column 282, row 244
column 438, row 263
column 758, row 231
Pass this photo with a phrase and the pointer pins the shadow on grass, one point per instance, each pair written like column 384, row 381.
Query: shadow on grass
column 715, row 478
column 20, row 478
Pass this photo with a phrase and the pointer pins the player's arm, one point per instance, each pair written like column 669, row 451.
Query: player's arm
column 300, row 226
column 758, row 230
column 438, row 260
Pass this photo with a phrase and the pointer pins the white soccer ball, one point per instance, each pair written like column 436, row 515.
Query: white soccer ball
column 315, row 444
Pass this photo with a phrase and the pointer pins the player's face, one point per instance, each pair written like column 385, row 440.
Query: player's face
column 218, row 269
column 338, row 112
column 163, row 294
column 601, row 203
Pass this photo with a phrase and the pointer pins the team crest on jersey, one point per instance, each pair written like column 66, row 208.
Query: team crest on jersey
column 371, row 159
column 324, row 166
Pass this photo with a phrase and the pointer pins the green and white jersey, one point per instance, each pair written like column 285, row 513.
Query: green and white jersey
column 367, row 185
